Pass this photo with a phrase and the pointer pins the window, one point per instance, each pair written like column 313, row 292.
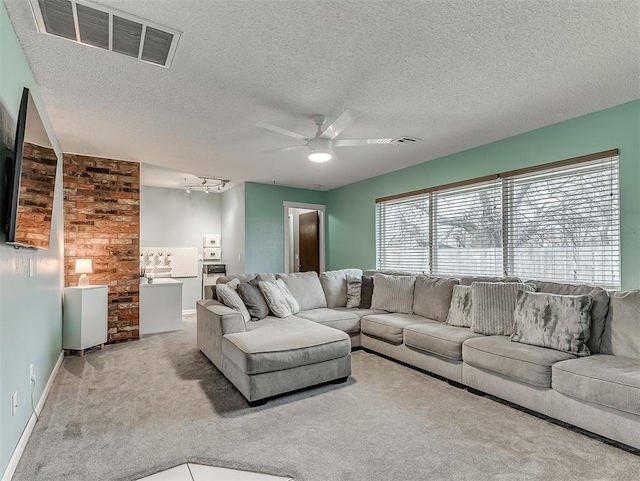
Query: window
column 556, row 222
column 468, row 230
column 402, row 234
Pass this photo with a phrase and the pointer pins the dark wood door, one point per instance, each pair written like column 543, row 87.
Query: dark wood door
column 309, row 237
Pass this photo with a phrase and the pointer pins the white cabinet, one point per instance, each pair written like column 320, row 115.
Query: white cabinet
column 160, row 306
column 85, row 318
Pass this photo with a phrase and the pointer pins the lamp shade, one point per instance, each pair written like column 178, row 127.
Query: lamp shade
column 84, row 266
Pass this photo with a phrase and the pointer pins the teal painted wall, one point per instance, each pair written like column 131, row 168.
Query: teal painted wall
column 264, row 223
column 351, row 209
column 30, row 307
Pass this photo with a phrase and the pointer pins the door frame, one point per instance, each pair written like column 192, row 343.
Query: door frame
column 287, row 232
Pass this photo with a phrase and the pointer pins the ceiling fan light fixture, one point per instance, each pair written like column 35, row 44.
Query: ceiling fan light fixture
column 320, row 150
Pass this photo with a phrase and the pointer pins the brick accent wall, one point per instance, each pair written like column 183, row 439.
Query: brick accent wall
column 102, row 223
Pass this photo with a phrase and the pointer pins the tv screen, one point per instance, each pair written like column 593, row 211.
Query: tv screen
column 31, row 179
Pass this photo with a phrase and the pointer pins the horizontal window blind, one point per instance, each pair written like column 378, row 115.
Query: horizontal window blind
column 402, row 234
column 467, row 223
column 563, row 224
column 559, row 222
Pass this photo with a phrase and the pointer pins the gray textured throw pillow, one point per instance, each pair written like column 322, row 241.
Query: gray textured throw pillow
column 460, row 308
column 622, row 330
column 354, row 285
column 553, row 321
column 306, row 289
column 279, row 297
column 366, row 292
column 432, row 297
column 253, row 299
column 230, row 298
column 493, row 306
column 393, row 293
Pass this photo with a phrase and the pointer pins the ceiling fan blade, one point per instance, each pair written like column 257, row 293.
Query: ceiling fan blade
column 280, row 130
column 358, row 142
column 339, row 124
column 283, row 149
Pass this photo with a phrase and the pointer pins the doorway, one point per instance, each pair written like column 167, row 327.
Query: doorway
column 304, row 237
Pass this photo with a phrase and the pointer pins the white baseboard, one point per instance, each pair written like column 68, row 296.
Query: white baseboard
column 187, row 312
column 22, row 443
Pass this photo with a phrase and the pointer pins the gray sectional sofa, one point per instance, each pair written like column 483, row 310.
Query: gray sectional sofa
column 599, row 393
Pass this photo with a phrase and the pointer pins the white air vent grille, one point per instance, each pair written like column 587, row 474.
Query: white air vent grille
column 405, row 140
column 107, row 28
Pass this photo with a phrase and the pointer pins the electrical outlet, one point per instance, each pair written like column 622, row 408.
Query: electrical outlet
column 239, row 257
column 14, row 403
column 32, row 376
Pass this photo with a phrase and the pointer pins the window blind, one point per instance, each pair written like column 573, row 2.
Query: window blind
column 467, row 223
column 563, row 224
column 402, row 234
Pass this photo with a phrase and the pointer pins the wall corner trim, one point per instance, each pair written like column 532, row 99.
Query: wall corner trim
column 22, row 442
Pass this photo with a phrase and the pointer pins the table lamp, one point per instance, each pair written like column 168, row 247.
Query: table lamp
column 84, row 267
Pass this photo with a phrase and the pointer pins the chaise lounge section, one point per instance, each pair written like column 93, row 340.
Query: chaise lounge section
column 599, row 393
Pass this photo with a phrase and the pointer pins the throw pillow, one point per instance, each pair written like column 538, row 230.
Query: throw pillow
column 279, row 297
column 230, row 298
column 493, row 306
column 334, row 285
column 253, row 299
column 467, row 281
column 460, row 308
column 354, row 285
column 432, row 297
column 393, row 293
column 366, row 292
column 622, row 330
column 306, row 289
column 554, row 321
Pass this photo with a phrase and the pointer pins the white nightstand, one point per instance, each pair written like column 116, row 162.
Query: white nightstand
column 85, row 318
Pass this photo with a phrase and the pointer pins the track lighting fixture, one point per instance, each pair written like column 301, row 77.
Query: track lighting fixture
column 206, row 183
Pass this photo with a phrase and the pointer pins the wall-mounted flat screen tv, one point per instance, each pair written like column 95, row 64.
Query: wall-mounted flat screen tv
column 31, row 180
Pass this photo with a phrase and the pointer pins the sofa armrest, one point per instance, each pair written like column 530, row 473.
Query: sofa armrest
column 214, row 321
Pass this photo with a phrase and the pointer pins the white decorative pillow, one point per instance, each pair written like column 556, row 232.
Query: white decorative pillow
column 230, row 298
column 354, row 284
column 393, row 293
column 460, row 308
column 279, row 297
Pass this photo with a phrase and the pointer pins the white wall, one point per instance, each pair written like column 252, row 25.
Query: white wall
column 233, row 229
column 173, row 218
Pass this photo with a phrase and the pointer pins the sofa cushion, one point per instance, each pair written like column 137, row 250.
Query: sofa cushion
column 521, row 362
column 621, row 335
column 278, row 296
column 366, row 292
column 334, row 285
column 393, row 293
column 361, row 312
column 346, row 321
column 439, row 339
column 554, row 321
column 306, row 288
column 256, row 304
column 432, row 297
column 467, row 281
column 285, row 345
column 611, row 381
column 493, row 305
column 354, row 287
column 598, row 309
column 230, row 298
column 460, row 308
column 390, row 326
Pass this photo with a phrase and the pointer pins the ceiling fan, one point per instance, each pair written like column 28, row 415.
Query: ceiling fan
column 321, row 146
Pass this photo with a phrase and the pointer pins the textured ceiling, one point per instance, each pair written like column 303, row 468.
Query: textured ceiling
column 454, row 73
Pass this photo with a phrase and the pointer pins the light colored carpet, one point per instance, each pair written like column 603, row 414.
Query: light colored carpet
column 140, row 407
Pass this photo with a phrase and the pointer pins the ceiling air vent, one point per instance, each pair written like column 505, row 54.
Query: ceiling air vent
column 107, row 28
column 405, row 140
